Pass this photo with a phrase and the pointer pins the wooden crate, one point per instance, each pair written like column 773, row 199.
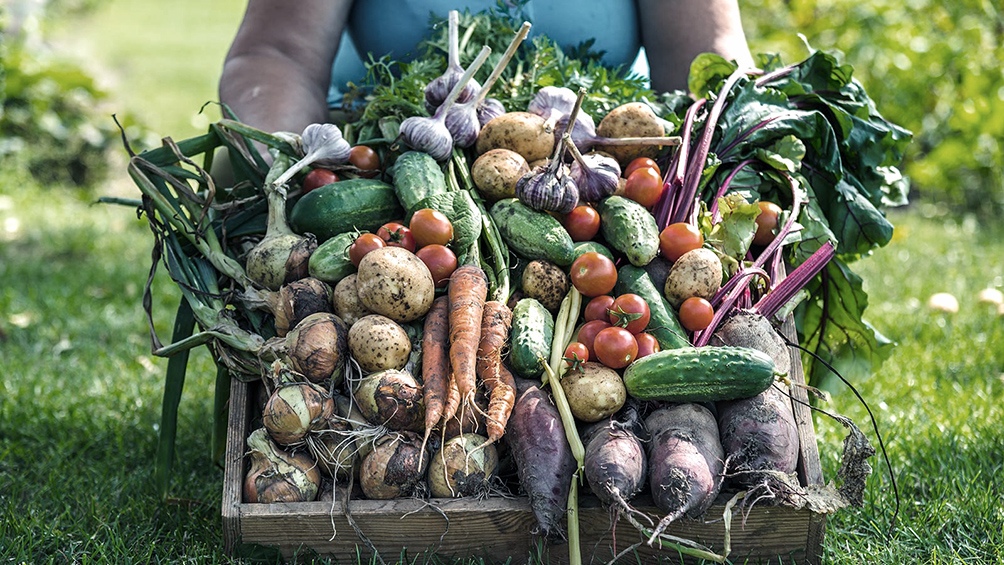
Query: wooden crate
column 498, row 528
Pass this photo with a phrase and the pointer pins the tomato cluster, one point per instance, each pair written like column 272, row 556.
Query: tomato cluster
column 427, row 235
column 365, row 159
column 614, row 332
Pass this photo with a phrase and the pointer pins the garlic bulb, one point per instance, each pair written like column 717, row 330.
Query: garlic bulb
column 552, row 102
column 324, row 145
column 597, row 175
column 431, row 134
column 439, row 88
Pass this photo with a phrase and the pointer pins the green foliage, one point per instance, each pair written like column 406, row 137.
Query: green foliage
column 49, row 121
column 933, row 67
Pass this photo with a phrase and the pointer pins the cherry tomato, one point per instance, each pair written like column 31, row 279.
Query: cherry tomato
column 441, row 262
column 587, row 333
column 696, row 313
column 430, row 226
column 641, row 163
column 364, row 244
column 593, row 274
column 644, row 186
column 582, row 223
column 679, row 238
column 596, row 308
column 365, row 159
column 615, row 347
column 396, row 235
column 317, row 178
column 767, row 222
column 647, row 344
column 575, row 354
column 630, row 312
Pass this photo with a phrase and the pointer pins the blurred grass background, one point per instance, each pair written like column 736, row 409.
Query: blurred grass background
column 80, row 393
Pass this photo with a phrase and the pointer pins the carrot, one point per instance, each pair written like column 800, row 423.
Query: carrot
column 495, row 323
column 500, row 406
column 435, row 364
column 452, row 399
column 468, row 291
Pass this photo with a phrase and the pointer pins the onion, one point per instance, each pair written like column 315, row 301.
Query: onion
column 334, row 447
column 277, row 475
column 394, row 466
column 299, row 299
column 281, row 256
column 294, row 409
column 318, row 347
column 392, row 398
column 463, row 467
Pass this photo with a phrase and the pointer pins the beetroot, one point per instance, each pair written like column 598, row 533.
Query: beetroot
column 686, row 461
column 759, row 434
column 615, row 464
column 544, row 460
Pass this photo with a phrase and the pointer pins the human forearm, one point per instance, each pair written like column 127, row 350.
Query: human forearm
column 276, row 74
column 676, row 31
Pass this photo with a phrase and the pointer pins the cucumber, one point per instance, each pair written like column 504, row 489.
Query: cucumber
column 417, row 176
column 700, row 374
column 530, row 338
column 348, row 205
column 587, row 246
column 663, row 323
column 629, row 228
column 330, row 261
column 532, row 234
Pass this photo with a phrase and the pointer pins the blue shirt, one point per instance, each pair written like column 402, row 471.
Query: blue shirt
column 396, row 27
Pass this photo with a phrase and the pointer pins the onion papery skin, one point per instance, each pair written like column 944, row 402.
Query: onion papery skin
column 277, row 475
column 294, row 409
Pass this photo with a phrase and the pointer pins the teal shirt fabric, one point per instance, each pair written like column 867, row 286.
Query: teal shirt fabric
column 396, row 27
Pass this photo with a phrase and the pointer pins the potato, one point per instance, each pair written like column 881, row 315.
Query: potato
column 496, row 171
column 696, row 273
column 394, row 282
column 377, row 343
column 346, row 302
column 525, row 133
column 594, row 391
column 634, row 119
column 546, row 282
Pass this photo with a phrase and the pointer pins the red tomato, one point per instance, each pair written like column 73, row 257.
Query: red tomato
column 630, row 312
column 364, row 244
column 576, row 353
column 615, row 347
column 430, row 227
column 317, row 178
column 679, row 238
column 641, row 163
column 440, row 260
column 767, row 222
column 396, row 235
column 644, row 186
column 593, row 274
column 696, row 313
column 647, row 344
column 365, row 159
column 582, row 223
column 596, row 308
column 587, row 333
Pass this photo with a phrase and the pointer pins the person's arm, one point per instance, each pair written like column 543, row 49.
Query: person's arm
column 675, row 31
column 275, row 76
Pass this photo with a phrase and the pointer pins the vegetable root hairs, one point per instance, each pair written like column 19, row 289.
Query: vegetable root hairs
column 860, row 446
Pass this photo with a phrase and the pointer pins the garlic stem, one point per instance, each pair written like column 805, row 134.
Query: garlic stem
column 464, row 79
column 506, row 57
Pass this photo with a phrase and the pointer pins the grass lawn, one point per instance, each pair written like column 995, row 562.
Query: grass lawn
column 80, row 393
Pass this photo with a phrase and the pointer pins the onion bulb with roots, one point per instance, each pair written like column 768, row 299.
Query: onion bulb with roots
column 282, row 256
column 464, row 466
column 392, row 398
column 277, row 475
column 394, row 466
column 318, row 348
column 294, row 409
column 334, row 447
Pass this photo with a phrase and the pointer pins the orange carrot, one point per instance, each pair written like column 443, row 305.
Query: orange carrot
column 495, row 323
column 500, row 406
column 435, row 364
column 468, row 291
column 452, row 399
